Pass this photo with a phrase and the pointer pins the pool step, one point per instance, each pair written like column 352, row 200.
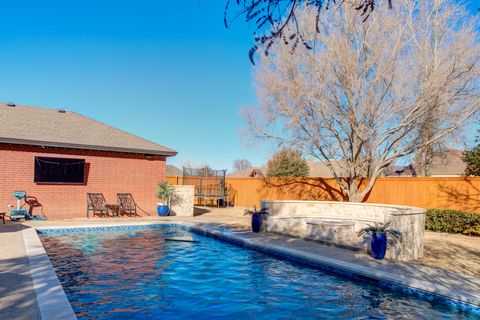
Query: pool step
column 182, row 239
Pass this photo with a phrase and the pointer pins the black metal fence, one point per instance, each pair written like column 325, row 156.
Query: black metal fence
column 209, row 183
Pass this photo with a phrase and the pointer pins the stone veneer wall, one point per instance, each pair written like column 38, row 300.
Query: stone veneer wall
column 183, row 204
column 291, row 217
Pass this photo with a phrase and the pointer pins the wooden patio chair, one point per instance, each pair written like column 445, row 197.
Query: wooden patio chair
column 126, row 204
column 96, row 203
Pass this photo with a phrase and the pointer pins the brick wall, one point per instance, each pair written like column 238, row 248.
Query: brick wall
column 107, row 172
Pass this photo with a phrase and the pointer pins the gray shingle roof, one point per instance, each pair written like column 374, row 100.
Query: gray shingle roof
column 48, row 127
column 319, row 169
column 173, row 171
column 448, row 163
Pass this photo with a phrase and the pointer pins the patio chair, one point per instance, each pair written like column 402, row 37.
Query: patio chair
column 126, row 203
column 96, row 203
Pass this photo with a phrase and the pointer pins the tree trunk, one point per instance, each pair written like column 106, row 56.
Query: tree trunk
column 354, row 195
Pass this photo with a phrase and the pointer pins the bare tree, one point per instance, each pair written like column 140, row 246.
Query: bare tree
column 432, row 17
column 278, row 19
column 195, row 164
column 188, row 164
column 361, row 96
column 241, row 164
column 424, row 158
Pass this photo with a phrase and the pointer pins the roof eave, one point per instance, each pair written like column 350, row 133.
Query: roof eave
column 166, row 153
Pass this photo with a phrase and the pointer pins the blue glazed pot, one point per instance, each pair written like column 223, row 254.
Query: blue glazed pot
column 379, row 245
column 256, row 222
column 163, row 210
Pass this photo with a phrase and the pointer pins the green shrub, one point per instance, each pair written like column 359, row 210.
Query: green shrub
column 452, row 221
column 472, row 160
column 473, row 231
column 166, row 192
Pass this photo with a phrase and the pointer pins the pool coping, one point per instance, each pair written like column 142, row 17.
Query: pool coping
column 463, row 300
column 51, row 298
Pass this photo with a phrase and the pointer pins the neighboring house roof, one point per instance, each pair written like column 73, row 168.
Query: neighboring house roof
column 251, row 172
column 173, row 171
column 449, row 163
column 28, row 125
column 318, row 169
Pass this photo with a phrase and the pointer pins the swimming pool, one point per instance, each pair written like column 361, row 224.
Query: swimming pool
column 130, row 273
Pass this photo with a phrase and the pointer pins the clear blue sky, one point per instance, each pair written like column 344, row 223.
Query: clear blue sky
column 167, row 71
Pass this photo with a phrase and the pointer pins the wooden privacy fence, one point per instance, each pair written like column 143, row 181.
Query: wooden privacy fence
column 457, row 193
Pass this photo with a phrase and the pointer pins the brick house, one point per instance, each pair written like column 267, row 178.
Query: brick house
column 104, row 158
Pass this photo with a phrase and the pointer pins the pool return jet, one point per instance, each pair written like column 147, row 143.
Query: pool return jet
column 22, row 214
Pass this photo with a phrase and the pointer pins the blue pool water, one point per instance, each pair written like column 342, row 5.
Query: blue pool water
column 136, row 274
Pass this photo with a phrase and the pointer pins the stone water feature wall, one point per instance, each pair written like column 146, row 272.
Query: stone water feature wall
column 182, row 204
column 298, row 218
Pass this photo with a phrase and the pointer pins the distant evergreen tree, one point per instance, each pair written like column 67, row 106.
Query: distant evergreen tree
column 472, row 159
column 287, row 163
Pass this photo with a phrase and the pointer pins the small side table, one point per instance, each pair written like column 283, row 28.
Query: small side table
column 115, row 209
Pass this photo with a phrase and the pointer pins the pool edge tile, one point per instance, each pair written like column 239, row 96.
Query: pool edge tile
column 406, row 284
column 421, row 288
column 51, row 298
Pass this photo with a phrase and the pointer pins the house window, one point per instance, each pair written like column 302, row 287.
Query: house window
column 59, row 170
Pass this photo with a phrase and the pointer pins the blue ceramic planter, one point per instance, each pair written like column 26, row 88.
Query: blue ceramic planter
column 379, row 245
column 163, row 210
column 256, row 222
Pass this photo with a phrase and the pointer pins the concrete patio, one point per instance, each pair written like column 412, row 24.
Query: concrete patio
column 18, row 298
